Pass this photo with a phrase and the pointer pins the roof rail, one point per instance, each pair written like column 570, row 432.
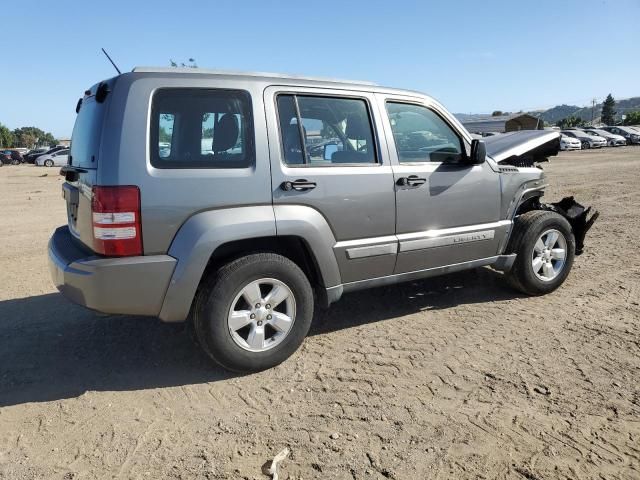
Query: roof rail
column 204, row 71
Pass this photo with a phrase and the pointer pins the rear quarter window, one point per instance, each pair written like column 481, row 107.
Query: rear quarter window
column 87, row 132
column 201, row 128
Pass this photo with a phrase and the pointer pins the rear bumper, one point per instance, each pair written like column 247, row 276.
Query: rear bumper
column 130, row 285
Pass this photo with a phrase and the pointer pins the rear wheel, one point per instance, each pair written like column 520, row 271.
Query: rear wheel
column 545, row 248
column 254, row 312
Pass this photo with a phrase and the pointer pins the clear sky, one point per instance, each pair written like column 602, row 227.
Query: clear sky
column 474, row 56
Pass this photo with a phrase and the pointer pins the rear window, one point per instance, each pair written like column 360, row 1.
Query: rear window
column 85, row 139
column 201, row 128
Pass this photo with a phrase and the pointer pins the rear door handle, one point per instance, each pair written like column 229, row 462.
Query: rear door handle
column 411, row 181
column 300, row 185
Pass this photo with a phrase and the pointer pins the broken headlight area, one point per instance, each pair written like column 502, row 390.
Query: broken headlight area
column 580, row 218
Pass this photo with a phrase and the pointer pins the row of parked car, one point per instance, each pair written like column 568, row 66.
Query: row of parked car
column 591, row 137
column 47, row 157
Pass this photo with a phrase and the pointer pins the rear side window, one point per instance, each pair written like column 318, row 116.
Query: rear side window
column 325, row 131
column 201, row 128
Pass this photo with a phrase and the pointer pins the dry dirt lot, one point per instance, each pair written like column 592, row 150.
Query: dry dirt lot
column 455, row 377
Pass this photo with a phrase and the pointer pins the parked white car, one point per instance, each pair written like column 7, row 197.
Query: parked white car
column 58, row 159
column 569, row 143
column 612, row 139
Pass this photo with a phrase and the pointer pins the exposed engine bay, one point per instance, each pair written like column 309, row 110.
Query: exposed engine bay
column 580, row 218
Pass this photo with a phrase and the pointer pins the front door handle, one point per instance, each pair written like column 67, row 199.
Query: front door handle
column 411, row 181
column 300, row 185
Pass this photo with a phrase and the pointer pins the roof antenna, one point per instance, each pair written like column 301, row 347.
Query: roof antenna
column 112, row 63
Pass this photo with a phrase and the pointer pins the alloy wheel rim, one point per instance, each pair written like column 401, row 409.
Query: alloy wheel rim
column 549, row 255
column 261, row 315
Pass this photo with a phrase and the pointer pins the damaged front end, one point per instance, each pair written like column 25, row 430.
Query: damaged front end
column 580, row 218
column 518, row 155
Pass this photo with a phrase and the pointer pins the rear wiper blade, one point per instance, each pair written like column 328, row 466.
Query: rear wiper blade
column 72, row 168
column 71, row 172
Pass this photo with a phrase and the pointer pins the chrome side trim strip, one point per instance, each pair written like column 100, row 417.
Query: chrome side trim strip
column 372, row 251
column 365, row 242
column 452, row 231
column 450, row 236
column 410, row 245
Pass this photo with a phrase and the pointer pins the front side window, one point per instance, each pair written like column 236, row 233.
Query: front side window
column 422, row 136
column 325, row 131
column 201, row 128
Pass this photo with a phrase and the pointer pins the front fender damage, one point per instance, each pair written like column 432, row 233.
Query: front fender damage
column 580, row 218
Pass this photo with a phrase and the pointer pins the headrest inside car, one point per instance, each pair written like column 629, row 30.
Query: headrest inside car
column 225, row 134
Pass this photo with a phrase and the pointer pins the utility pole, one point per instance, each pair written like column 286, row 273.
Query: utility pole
column 593, row 107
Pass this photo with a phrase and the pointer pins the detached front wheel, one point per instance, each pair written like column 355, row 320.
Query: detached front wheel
column 545, row 248
column 254, row 312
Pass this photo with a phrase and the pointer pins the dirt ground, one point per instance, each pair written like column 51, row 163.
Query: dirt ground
column 454, row 377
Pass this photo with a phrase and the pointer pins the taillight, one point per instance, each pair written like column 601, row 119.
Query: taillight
column 117, row 228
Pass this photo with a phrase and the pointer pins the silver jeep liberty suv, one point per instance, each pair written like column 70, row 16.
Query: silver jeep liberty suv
column 237, row 202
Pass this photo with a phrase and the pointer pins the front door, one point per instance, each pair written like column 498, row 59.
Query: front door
column 326, row 156
column 448, row 211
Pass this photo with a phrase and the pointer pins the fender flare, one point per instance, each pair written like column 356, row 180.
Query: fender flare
column 196, row 241
column 203, row 233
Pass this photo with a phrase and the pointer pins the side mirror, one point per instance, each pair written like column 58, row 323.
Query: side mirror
column 329, row 150
column 478, row 152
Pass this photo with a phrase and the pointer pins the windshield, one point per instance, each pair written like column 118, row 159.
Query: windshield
column 87, row 131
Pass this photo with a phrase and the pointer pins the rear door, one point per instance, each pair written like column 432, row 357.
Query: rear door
column 448, row 211
column 326, row 155
column 84, row 158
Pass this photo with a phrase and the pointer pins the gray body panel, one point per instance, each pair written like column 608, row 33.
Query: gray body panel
column 196, row 241
column 357, row 202
column 361, row 229
column 133, row 285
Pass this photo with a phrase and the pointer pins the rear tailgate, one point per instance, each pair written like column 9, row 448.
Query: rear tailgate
column 84, row 162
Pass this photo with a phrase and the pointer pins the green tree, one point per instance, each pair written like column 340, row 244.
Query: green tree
column 570, row 121
column 6, row 137
column 632, row 118
column 30, row 137
column 608, row 112
column 496, row 113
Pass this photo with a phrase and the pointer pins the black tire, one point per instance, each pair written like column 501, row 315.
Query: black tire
column 213, row 303
column 48, row 163
column 586, row 146
column 527, row 230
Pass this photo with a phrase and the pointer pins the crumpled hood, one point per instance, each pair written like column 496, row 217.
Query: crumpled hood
column 523, row 148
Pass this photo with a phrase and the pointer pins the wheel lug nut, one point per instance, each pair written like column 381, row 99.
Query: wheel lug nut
column 268, row 317
column 267, row 306
column 257, row 305
column 259, row 323
column 252, row 316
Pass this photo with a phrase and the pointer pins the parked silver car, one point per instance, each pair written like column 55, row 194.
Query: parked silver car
column 612, row 139
column 205, row 201
column 57, row 159
column 587, row 140
column 629, row 133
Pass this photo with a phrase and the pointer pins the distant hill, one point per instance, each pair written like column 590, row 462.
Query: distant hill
column 557, row 113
